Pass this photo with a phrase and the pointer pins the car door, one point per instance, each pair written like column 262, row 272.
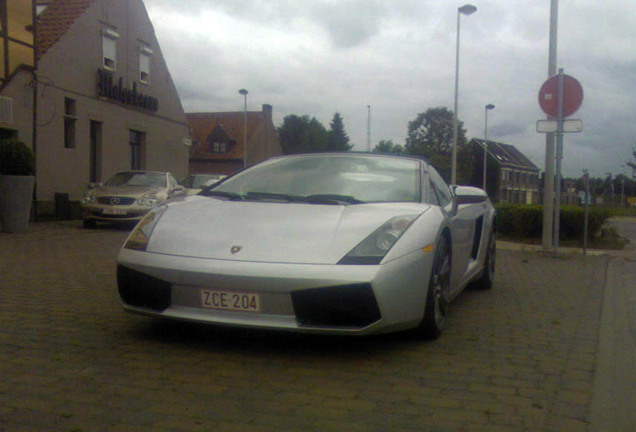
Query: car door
column 461, row 226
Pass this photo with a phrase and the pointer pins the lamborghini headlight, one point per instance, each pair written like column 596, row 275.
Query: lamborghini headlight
column 140, row 235
column 372, row 249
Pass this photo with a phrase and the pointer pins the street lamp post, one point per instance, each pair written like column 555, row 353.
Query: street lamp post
column 488, row 107
column 467, row 9
column 622, row 185
column 244, row 93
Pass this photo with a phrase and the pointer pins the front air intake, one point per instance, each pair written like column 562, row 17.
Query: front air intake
column 141, row 290
column 348, row 306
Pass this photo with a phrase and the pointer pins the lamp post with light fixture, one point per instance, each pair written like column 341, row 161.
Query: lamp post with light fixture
column 244, row 93
column 467, row 9
column 488, row 107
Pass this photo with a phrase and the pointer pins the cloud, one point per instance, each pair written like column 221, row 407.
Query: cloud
column 316, row 57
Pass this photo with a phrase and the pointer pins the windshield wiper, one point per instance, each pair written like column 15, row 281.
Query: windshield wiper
column 229, row 195
column 268, row 196
column 332, row 199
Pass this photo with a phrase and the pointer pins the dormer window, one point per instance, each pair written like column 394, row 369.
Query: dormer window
column 109, row 48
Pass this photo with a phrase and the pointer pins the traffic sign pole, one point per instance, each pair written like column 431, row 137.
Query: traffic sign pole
column 559, row 97
column 559, row 158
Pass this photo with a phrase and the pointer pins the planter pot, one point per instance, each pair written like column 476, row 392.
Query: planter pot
column 16, row 194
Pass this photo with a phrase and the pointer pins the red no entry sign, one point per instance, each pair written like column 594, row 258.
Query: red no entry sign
column 549, row 95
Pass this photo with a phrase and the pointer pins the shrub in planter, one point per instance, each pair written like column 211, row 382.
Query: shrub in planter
column 17, row 169
column 16, row 158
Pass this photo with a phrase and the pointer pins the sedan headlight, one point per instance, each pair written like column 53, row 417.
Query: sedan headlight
column 148, row 201
column 140, row 235
column 89, row 199
column 372, row 249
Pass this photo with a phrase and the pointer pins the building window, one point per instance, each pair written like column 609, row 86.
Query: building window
column 69, row 123
column 219, row 147
column 95, row 161
column 109, row 49
column 145, row 54
column 137, row 150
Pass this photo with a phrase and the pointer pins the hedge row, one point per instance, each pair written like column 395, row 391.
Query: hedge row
column 526, row 221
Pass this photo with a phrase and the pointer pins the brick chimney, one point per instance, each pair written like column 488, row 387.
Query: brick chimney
column 267, row 112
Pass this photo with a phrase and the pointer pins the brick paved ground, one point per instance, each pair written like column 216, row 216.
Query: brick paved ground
column 520, row 357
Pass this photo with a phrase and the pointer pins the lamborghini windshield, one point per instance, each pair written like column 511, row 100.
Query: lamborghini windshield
column 329, row 179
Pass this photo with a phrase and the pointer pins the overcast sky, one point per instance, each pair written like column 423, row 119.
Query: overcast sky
column 319, row 57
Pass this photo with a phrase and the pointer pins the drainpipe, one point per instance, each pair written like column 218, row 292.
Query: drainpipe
column 34, row 133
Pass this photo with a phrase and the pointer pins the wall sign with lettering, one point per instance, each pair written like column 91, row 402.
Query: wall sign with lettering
column 109, row 88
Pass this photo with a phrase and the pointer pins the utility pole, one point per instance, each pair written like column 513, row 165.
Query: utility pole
column 586, row 177
column 369, row 128
column 548, row 178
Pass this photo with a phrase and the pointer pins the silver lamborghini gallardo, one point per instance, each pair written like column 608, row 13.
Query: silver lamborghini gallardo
column 325, row 243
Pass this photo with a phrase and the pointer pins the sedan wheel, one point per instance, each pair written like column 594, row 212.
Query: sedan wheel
column 437, row 296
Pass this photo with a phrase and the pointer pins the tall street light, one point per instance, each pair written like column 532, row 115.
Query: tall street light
column 488, row 107
column 244, row 93
column 467, row 9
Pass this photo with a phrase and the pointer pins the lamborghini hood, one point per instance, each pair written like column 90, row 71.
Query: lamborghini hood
column 207, row 227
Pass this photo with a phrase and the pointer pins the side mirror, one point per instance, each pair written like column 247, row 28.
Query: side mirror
column 177, row 190
column 469, row 195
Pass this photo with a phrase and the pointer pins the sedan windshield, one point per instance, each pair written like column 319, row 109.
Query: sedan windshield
column 146, row 179
column 326, row 179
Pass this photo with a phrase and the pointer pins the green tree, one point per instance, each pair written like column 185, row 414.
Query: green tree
column 301, row 134
column 338, row 138
column 388, row 147
column 431, row 135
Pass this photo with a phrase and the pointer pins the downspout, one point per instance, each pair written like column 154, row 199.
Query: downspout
column 34, row 86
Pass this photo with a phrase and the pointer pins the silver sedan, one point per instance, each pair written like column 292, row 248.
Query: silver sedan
column 325, row 243
column 127, row 196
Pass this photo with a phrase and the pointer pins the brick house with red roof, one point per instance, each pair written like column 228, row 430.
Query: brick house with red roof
column 217, row 140
column 101, row 95
column 511, row 176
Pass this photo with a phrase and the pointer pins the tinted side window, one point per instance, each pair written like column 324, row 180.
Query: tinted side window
column 444, row 193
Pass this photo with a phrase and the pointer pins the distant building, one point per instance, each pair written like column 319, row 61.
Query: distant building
column 511, row 176
column 569, row 192
column 217, row 140
column 101, row 97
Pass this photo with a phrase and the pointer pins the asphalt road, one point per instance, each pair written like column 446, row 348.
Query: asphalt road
column 529, row 355
column 626, row 227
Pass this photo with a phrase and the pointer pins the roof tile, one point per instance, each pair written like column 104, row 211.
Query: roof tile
column 56, row 19
column 507, row 154
column 203, row 124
